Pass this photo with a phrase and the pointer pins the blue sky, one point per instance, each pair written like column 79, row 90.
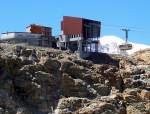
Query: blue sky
column 15, row 15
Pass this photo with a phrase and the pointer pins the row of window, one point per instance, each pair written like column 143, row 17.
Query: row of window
column 73, row 36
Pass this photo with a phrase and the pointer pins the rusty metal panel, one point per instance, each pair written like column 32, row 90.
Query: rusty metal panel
column 37, row 29
column 72, row 25
column 85, row 27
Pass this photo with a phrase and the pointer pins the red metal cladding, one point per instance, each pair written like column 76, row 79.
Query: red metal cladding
column 37, row 29
column 84, row 27
column 72, row 25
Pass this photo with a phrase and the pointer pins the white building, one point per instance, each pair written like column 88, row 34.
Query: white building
column 29, row 38
column 19, row 35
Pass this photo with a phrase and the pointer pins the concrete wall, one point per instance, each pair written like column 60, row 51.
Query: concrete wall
column 29, row 38
column 21, row 35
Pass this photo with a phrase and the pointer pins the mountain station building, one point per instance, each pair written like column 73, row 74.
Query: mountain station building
column 79, row 34
column 36, row 35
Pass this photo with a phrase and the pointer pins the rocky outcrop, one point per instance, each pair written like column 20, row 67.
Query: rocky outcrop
column 47, row 81
column 70, row 105
column 76, row 105
column 145, row 94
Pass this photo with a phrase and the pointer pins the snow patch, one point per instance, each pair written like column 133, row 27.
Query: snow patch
column 110, row 44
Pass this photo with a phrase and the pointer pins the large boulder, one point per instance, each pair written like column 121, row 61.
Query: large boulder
column 112, row 75
column 72, row 69
column 145, row 94
column 147, row 106
column 103, row 90
column 50, row 65
column 37, row 88
column 6, row 111
column 27, row 52
column 75, row 87
column 137, row 108
column 133, row 110
column 6, row 100
column 84, row 63
column 23, row 110
column 31, row 68
column 101, row 108
column 132, row 96
column 70, row 105
column 128, row 82
column 13, row 64
column 112, row 104
column 75, row 105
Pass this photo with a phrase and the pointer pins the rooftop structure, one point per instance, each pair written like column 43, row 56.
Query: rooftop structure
column 38, row 29
column 46, row 38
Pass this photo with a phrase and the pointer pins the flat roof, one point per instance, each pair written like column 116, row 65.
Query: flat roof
column 21, row 32
column 39, row 26
column 82, row 18
column 14, row 32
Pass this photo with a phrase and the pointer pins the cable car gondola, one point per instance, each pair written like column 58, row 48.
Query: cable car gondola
column 124, row 47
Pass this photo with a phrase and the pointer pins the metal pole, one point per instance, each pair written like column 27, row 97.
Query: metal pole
column 126, row 33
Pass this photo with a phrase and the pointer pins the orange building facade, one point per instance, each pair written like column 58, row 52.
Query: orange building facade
column 38, row 29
